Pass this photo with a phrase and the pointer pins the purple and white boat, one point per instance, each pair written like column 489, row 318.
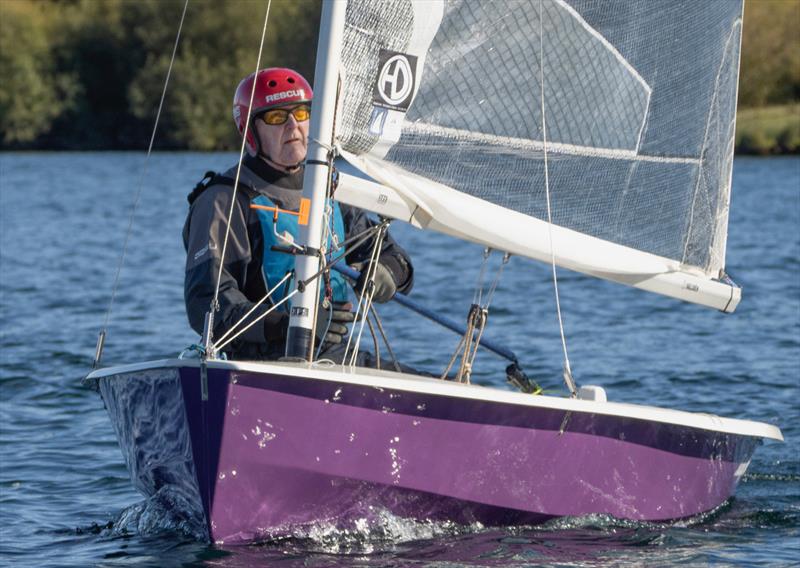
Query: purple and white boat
column 280, row 446
column 593, row 137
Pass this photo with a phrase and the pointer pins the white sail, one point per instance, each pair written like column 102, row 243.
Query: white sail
column 428, row 205
column 442, row 107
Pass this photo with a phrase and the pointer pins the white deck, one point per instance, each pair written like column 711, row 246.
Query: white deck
column 416, row 383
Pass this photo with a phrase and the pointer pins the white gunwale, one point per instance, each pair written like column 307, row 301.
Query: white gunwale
column 425, row 385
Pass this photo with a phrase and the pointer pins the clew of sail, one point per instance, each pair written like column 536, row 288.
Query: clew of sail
column 441, row 117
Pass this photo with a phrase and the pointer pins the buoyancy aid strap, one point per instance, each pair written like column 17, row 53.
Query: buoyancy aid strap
column 212, row 178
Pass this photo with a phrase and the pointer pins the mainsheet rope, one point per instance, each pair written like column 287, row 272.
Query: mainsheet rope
column 567, row 370
column 477, row 319
column 137, row 198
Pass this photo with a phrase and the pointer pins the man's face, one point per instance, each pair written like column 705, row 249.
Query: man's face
column 286, row 143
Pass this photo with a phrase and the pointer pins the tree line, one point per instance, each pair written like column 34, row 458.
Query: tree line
column 88, row 74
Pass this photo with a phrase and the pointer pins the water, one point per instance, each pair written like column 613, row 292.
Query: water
column 65, row 496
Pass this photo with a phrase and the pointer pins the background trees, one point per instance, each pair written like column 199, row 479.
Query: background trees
column 33, row 90
column 770, row 72
column 769, row 84
column 88, row 74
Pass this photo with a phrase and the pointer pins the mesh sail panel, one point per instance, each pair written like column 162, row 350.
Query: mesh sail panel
column 639, row 101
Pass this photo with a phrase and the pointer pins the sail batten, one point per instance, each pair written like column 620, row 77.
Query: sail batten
column 455, row 134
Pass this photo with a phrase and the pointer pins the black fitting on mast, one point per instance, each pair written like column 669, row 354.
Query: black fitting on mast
column 298, row 340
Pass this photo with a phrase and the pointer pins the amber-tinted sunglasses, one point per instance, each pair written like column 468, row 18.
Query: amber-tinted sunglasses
column 278, row 116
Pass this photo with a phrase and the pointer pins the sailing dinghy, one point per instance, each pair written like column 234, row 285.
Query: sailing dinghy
column 592, row 136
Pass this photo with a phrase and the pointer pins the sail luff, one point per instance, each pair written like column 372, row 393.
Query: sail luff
column 721, row 238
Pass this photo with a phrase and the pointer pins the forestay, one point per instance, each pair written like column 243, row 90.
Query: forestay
column 441, row 106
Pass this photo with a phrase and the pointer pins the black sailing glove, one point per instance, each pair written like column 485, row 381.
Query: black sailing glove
column 385, row 286
column 332, row 322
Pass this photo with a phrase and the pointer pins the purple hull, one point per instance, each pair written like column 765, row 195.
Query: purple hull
column 270, row 451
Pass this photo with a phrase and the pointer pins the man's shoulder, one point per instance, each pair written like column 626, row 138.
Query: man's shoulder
column 220, row 189
column 214, row 192
column 249, row 180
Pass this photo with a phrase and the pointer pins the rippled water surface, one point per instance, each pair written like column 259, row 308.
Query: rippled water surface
column 65, row 495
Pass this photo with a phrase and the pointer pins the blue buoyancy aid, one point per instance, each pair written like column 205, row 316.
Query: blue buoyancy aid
column 276, row 265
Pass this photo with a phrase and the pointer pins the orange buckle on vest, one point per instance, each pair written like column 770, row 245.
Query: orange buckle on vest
column 302, row 215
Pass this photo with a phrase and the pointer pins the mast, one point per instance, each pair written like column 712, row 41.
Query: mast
column 317, row 174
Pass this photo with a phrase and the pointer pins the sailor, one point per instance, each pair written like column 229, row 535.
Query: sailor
column 272, row 176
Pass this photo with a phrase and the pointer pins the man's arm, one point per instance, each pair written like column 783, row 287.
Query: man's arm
column 392, row 256
column 204, row 235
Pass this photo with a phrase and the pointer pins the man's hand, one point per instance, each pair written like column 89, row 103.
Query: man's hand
column 332, row 322
column 385, row 286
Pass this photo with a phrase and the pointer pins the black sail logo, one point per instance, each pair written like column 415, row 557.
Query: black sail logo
column 394, row 86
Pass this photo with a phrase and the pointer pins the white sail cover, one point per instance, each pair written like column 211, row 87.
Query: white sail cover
column 442, row 106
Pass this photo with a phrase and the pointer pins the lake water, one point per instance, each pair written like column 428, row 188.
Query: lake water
column 65, row 495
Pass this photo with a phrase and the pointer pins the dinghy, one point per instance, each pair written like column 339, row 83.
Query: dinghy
column 592, row 137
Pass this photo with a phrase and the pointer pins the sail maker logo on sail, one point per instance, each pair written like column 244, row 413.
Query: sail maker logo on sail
column 394, row 87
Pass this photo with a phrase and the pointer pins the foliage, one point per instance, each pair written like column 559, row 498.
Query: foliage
column 88, row 74
column 770, row 69
column 211, row 61
column 769, row 130
column 32, row 93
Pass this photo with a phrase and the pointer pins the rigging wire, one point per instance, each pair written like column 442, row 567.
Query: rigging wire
column 375, row 344
column 215, row 301
column 567, row 370
column 274, row 307
column 255, row 306
column 367, row 293
column 379, row 325
column 496, row 281
column 137, row 197
column 477, row 296
column 360, row 239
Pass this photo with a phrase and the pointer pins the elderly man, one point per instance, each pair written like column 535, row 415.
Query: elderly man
column 272, row 176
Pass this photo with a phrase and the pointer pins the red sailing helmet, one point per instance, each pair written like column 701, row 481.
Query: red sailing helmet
column 275, row 86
